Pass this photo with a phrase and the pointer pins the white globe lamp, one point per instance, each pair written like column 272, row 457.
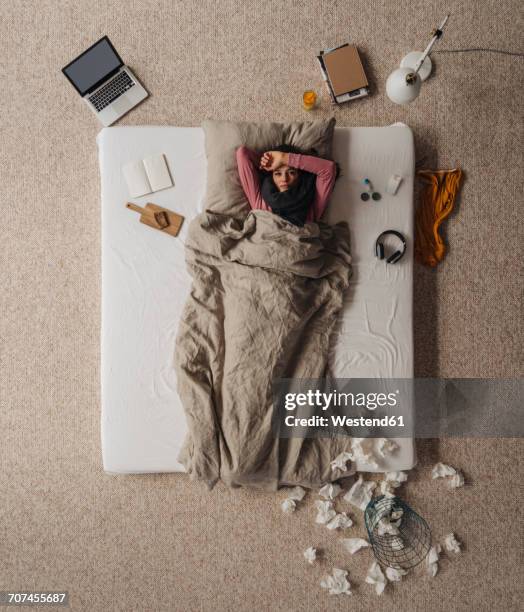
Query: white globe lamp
column 404, row 83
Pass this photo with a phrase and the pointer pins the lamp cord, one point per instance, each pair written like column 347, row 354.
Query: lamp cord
column 423, row 159
column 478, row 49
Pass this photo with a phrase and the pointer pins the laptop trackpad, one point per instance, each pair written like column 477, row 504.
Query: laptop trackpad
column 121, row 105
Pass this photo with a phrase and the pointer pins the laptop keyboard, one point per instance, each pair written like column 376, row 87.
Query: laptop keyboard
column 111, row 91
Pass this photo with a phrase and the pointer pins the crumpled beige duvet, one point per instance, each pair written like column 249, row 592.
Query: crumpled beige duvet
column 264, row 301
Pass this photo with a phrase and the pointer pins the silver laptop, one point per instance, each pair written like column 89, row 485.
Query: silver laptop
column 108, row 87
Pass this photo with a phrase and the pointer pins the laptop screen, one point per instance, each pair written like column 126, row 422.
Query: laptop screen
column 93, row 66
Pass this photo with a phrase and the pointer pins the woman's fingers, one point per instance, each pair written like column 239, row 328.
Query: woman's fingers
column 266, row 161
column 270, row 160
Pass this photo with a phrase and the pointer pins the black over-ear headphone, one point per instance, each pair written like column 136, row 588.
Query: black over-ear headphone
column 379, row 247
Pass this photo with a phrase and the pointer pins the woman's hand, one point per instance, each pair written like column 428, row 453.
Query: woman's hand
column 272, row 160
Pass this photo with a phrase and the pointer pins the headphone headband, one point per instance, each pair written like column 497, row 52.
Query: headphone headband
column 379, row 247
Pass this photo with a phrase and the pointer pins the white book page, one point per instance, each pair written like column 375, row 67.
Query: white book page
column 157, row 172
column 136, row 178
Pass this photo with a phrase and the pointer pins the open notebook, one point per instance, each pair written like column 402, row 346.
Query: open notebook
column 147, row 175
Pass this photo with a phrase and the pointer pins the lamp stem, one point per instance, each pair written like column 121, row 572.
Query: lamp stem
column 436, row 36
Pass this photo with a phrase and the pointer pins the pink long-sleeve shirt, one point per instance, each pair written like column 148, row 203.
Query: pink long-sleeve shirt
column 248, row 163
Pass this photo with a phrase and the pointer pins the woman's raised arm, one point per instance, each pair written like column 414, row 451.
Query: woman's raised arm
column 248, row 162
column 326, row 172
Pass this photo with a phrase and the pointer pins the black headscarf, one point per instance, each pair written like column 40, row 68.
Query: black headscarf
column 292, row 204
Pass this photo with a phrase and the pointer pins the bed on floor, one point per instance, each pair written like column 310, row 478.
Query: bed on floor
column 145, row 286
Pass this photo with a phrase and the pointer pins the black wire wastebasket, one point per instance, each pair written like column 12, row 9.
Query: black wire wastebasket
column 400, row 537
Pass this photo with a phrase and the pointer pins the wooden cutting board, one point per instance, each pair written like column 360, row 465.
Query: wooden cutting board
column 147, row 216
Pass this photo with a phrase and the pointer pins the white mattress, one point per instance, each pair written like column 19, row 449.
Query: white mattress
column 145, row 284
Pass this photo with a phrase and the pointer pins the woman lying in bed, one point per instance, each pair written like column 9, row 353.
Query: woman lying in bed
column 295, row 186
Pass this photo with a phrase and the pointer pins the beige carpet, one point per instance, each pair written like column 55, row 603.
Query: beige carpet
column 160, row 542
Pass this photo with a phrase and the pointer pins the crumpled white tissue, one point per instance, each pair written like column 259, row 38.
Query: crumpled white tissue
column 353, row 545
column 376, row 577
column 441, row 470
column 330, row 491
column 363, row 451
column 386, row 447
column 310, row 555
column 385, row 526
column 396, row 513
column 395, row 575
column 386, row 488
column 340, row 521
column 395, row 479
column 451, row 544
column 290, row 503
column 297, row 493
column 456, row 481
column 432, row 560
column 390, row 521
column 340, row 461
column 325, row 513
column 337, row 584
column 360, row 493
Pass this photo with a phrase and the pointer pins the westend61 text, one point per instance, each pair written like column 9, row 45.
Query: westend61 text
column 344, row 421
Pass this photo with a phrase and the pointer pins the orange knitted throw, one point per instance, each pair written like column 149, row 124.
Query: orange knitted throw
column 437, row 201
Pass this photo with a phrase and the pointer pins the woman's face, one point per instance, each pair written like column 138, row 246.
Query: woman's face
column 285, row 177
